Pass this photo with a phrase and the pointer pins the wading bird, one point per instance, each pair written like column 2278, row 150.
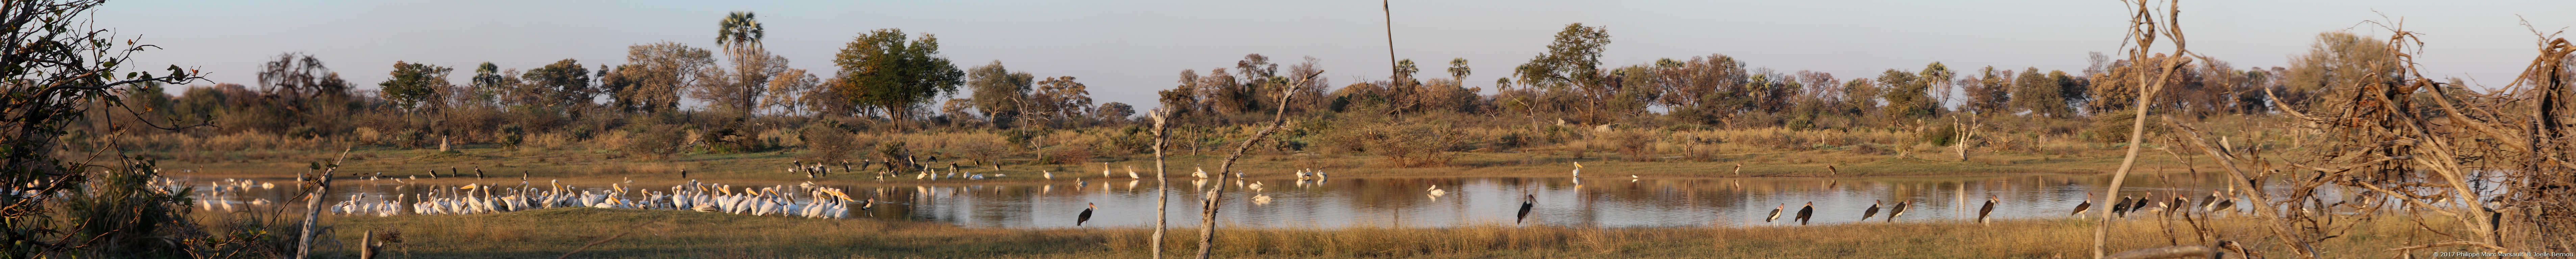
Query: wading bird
column 1526, row 203
column 1989, row 209
column 2087, row 204
column 1899, row 211
column 1086, row 214
column 2225, row 202
column 1804, row 212
column 1775, row 212
column 1873, row 209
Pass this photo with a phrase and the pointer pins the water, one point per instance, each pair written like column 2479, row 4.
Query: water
column 1405, row 202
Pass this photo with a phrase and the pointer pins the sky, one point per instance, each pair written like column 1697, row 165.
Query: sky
column 1126, row 50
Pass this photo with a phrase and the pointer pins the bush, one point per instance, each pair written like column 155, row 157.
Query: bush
column 1404, row 143
column 826, row 143
column 654, row 142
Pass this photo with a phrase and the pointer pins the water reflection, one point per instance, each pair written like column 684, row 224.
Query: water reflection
column 1407, row 202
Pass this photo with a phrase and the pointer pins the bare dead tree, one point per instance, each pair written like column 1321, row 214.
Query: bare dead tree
column 1214, row 197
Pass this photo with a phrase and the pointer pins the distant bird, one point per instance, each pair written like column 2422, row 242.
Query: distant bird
column 2178, row 203
column 1049, row 175
column 1436, row 192
column 1899, row 211
column 1104, row 169
column 478, row 173
column 1526, row 203
column 684, row 173
column 1989, row 209
column 1202, row 173
column 1775, row 212
column 1805, row 212
column 1578, row 171
column 2141, row 203
column 2087, row 204
column 2121, row 207
column 1873, row 209
column 2207, row 201
column 2225, row 202
column 1131, row 173
column 1086, row 214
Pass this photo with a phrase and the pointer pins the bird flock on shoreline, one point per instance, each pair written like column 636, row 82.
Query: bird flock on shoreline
column 813, row 201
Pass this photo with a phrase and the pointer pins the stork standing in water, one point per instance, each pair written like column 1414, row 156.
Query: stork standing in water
column 1899, row 210
column 1526, row 203
column 2087, row 204
column 1775, row 213
column 1805, row 212
column 1873, row 209
column 1989, row 209
column 1086, row 213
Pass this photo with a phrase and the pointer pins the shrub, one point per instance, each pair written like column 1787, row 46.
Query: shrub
column 826, row 143
column 653, row 142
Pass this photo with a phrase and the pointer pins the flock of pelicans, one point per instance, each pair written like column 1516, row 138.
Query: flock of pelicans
column 828, row 202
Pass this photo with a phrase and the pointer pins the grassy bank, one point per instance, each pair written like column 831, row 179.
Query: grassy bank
column 677, row 234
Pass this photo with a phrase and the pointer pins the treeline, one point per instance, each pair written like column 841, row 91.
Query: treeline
column 889, row 81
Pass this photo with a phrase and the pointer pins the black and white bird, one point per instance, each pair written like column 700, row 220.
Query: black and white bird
column 1899, row 210
column 1989, row 209
column 2086, row 205
column 1873, row 209
column 1775, row 213
column 1086, row 213
column 1805, row 212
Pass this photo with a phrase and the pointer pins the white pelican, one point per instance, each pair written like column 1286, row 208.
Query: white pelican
column 1436, row 192
column 1578, row 171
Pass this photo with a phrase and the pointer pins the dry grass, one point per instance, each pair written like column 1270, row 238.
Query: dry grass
column 675, row 234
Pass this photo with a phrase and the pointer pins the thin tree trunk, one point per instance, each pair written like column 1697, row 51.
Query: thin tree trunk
column 313, row 207
column 1207, row 212
column 2146, row 92
column 1163, row 186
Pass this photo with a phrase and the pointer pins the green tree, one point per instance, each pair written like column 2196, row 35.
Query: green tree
column 564, row 84
column 1992, row 91
column 1458, row 69
column 1907, row 95
column 999, row 93
column 59, row 68
column 1573, row 58
column 654, row 75
column 739, row 91
column 411, row 85
column 883, row 70
column 1572, row 61
column 2338, row 60
column 1936, row 78
column 2038, row 93
column 488, row 85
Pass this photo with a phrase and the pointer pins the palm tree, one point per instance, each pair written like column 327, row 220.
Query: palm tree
column 739, row 30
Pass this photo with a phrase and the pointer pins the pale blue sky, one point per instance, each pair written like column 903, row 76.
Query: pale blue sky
column 1125, row 50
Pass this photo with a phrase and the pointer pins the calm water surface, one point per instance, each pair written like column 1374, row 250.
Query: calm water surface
column 1406, row 202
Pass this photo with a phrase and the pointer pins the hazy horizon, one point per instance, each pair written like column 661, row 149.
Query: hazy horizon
column 1125, row 50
